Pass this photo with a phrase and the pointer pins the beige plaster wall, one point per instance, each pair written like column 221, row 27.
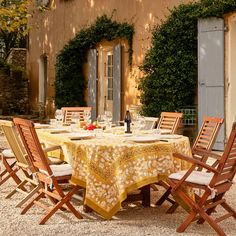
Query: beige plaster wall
column 230, row 71
column 52, row 29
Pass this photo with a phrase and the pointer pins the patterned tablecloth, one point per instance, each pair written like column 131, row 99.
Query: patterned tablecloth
column 112, row 166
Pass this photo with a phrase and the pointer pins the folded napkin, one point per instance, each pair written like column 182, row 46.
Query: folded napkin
column 80, row 136
column 40, row 126
column 59, row 131
column 170, row 136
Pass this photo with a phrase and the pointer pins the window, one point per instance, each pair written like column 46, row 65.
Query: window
column 109, row 77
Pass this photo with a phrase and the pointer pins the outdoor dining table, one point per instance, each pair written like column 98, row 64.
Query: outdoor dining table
column 112, row 165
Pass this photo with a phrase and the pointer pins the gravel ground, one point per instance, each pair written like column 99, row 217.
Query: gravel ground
column 131, row 220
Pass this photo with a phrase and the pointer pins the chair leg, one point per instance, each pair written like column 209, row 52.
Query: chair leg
column 164, row 197
column 186, row 223
column 173, row 208
column 212, row 223
column 31, row 193
column 16, row 189
column 228, row 208
column 64, row 200
column 11, row 171
column 27, row 207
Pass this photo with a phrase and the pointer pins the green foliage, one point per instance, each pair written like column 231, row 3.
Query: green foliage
column 170, row 66
column 13, row 24
column 70, row 83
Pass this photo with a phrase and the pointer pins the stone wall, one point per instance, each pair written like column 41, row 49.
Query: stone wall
column 17, row 57
column 13, row 95
column 14, row 86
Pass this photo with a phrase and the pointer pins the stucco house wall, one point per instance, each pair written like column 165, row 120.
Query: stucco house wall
column 53, row 28
column 230, row 71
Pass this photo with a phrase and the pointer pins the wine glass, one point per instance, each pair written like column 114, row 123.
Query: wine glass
column 108, row 118
column 59, row 116
column 141, row 121
column 87, row 115
column 75, row 119
column 134, row 120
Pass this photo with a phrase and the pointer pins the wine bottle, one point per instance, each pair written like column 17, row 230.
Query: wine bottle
column 127, row 122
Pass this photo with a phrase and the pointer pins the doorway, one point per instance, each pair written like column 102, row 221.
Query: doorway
column 105, row 82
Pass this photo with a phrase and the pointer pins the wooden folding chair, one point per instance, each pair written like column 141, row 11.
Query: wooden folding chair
column 48, row 176
column 170, row 121
column 68, row 111
column 204, row 142
column 18, row 157
column 214, row 183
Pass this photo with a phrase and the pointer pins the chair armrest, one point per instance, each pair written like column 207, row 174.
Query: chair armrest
column 195, row 162
column 206, row 153
column 52, row 148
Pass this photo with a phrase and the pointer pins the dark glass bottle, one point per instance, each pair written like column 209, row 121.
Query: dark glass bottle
column 127, row 122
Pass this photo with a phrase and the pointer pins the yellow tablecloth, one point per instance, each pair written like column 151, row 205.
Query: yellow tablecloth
column 110, row 167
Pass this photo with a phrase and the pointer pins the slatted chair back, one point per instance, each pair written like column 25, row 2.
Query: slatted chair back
column 16, row 146
column 150, row 122
column 170, row 121
column 68, row 111
column 34, row 149
column 227, row 164
column 203, row 144
column 207, row 134
column 22, row 163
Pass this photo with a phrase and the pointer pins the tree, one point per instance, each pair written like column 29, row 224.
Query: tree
column 170, row 65
column 13, row 24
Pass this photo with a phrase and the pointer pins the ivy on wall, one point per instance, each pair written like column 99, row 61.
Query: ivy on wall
column 70, row 82
column 170, row 66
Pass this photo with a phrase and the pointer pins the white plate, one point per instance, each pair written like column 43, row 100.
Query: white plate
column 123, row 134
column 40, row 126
column 57, row 130
column 80, row 136
column 170, row 136
column 144, row 139
column 165, row 131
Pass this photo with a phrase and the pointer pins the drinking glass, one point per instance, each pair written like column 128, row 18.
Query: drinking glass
column 75, row 119
column 141, row 122
column 87, row 115
column 108, row 118
column 59, row 116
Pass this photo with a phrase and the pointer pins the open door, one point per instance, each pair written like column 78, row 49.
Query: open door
column 211, row 72
column 109, row 81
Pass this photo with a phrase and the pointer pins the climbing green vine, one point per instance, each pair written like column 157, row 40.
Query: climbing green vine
column 170, row 66
column 70, row 82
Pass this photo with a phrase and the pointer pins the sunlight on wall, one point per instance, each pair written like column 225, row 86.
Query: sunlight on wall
column 46, row 23
column 91, row 2
column 46, row 39
column 74, row 31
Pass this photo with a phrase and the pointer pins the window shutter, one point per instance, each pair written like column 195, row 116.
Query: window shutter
column 92, row 82
column 117, row 83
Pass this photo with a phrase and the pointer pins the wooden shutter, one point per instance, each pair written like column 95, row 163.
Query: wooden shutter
column 117, row 83
column 211, row 72
column 92, row 82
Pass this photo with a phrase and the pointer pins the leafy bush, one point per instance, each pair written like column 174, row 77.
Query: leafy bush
column 70, row 82
column 170, row 66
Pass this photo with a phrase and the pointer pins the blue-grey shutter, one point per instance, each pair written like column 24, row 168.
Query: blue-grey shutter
column 211, row 72
column 117, row 83
column 92, row 82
